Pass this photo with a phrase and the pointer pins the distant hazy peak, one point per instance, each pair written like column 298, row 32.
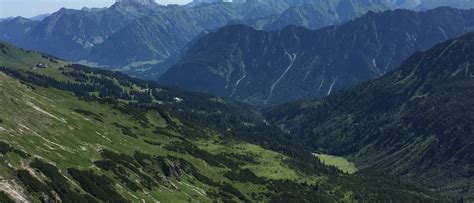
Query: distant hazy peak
column 406, row 3
column 143, row 2
column 21, row 20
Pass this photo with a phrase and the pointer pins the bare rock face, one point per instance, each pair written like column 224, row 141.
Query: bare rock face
column 172, row 169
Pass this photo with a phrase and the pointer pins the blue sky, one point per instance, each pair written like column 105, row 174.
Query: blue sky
column 29, row 8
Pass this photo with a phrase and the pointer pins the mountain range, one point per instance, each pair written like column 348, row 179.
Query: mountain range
column 265, row 68
column 121, row 37
column 415, row 122
column 89, row 34
column 77, row 31
column 430, row 4
column 13, row 30
column 318, row 14
column 159, row 36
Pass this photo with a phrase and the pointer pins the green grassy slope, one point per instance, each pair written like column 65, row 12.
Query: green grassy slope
column 75, row 134
column 340, row 162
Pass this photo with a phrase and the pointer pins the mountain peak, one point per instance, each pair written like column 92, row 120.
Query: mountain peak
column 21, row 20
column 134, row 2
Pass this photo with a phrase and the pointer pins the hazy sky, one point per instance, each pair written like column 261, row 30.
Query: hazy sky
column 29, row 8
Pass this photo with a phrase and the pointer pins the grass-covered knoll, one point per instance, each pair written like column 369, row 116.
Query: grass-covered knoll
column 416, row 122
column 72, row 133
column 339, row 162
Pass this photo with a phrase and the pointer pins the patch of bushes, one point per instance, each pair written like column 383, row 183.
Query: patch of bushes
column 60, row 184
column 290, row 191
column 152, row 143
column 126, row 130
column 5, row 148
column 32, row 184
column 219, row 160
column 120, row 172
column 100, row 187
column 4, row 198
column 130, row 163
column 96, row 117
column 242, row 158
column 245, row 176
column 232, row 190
column 138, row 114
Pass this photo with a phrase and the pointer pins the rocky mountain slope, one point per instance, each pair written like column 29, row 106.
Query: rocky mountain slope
column 140, row 34
column 266, row 68
column 462, row 4
column 318, row 14
column 159, row 36
column 71, row 33
column 416, row 122
column 151, row 32
column 13, row 30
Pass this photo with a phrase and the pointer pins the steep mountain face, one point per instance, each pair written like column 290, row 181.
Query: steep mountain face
column 265, row 68
column 14, row 29
column 408, row 4
column 416, row 122
column 70, row 133
column 429, row 4
column 318, row 14
column 152, row 50
column 4, row 19
column 39, row 17
column 131, row 32
column 72, row 33
column 277, row 5
column 159, row 36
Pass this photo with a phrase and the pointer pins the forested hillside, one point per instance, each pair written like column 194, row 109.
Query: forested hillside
column 416, row 122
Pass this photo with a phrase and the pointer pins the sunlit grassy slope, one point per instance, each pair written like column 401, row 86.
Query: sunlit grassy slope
column 43, row 122
column 339, row 162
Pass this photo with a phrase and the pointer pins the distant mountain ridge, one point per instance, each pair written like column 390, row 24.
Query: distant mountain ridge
column 266, row 68
column 421, row 5
column 39, row 17
column 430, row 4
column 13, row 29
column 161, row 35
column 84, row 34
column 416, row 122
column 121, row 37
column 318, row 14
